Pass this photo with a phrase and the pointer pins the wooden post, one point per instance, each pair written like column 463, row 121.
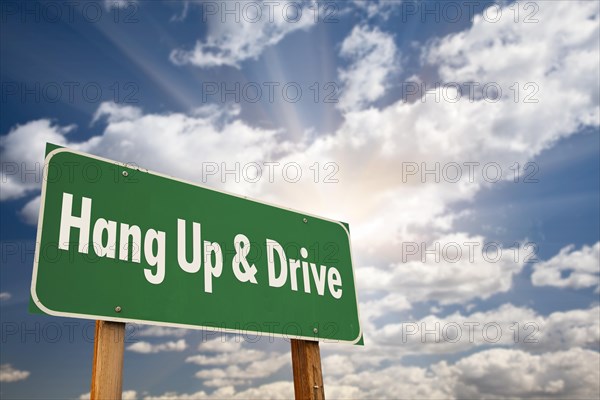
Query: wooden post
column 107, row 369
column 306, row 364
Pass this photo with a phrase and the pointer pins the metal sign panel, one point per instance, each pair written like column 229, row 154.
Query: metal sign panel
column 121, row 244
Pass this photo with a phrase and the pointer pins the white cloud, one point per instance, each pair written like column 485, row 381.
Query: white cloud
column 176, row 140
column 9, row 374
column 558, row 54
column 443, row 277
column 148, row 348
column 397, row 335
column 373, row 146
column 373, row 59
column 582, row 267
column 184, row 12
column 457, row 270
column 502, row 373
column 230, row 42
column 116, row 113
column 573, row 328
column 390, row 382
column 22, row 154
column 491, row 374
column 129, row 395
column 5, row 296
column 337, row 365
column 223, row 344
column 125, row 395
column 254, row 370
column 507, row 325
column 109, row 4
column 243, row 367
column 159, row 331
column 269, row 391
column 392, row 302
column 377, row 8
column 235, row 365
column 31, row 210
column 238, row 357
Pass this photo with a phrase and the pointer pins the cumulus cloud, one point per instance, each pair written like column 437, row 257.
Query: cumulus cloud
column 223, row 344
column 494, row 373
column 125, row 395
column 376, row 8
column 228, row 358
column 337, row 365
column 159, row 331
column 373, row 59
column 116, row 113
column 490, row 374
column 258, row 27
column 269, row 391
column 501, row 373
column 507, row 325
column 176, row 140
column 10, row 374
column 234, row 365
column 453, row 268
column 392, row 302
column 109, row 4
column 374, row 147
column 22, row 154
column 556, row 55
column 149, row 348
column 261, row 368
column 397, row 335
column 30, row 212
column 581, row 267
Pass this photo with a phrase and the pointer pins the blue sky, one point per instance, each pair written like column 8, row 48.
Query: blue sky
column 148, row 81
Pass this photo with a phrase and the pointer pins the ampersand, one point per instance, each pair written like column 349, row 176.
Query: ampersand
column 241, row 252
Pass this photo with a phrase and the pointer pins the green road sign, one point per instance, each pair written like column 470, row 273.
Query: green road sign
column 122, row 244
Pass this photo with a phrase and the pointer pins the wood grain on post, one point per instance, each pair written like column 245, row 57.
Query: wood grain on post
column 306, row 364
column 107, row 369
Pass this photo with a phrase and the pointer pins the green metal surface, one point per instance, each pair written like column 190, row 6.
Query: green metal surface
column 75, row 284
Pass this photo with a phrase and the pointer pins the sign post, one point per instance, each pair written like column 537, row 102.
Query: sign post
column 119, row 243
column 306, row 365
column 107, row 367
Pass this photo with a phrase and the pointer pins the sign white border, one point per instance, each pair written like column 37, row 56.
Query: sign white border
column 170, row 324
